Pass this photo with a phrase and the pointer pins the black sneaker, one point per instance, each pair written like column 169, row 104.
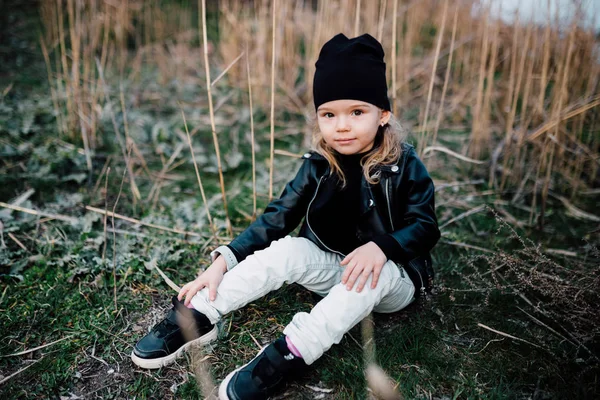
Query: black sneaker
column 263, row 375
column 169, row 338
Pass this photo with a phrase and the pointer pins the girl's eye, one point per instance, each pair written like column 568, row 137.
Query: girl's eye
column 328, row 115
column 357, row 112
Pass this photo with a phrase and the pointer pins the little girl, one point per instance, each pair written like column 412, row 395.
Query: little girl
column 369, row 224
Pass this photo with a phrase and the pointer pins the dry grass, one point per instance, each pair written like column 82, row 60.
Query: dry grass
column 527, row 94
column 558, row 296
column 507, row 82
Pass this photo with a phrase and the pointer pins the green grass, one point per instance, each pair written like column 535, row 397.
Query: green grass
column 61, row 287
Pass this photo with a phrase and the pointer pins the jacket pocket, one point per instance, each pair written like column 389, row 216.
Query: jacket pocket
column 420, row 272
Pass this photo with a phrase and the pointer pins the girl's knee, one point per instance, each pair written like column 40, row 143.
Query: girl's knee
column 289, row 247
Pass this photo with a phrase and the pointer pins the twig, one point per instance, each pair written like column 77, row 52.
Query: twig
column 464, row 215
column 576, row 212
column 468, row 246
column 272, row 136
column 357, row 18
column 98, row 359
column 538, row 309
column 212, row 117
column 255, row 341
column 394, row 56
column 222, row 74
column 105, row 214
column 487, row 344
column 561, row 252
column 551, row 124
column 424, row 133
column 251, row 139
column 112, row 334
column 137, row 221
column 155, row 191
column 212, row 227
column 40, row 213
column 441, row 186
column 20, row 199
column 452, row 153
column 152, row 265
column 382, row 9
column 17, row 241
column 446, row 78
column 19, row 371
column 128, row 138
column 287, row 153
column 537, row 321
column 37, row 348
column 114, row 271
column 104, row 169
column 134, row 188
column 3, row 294
column 509, row 336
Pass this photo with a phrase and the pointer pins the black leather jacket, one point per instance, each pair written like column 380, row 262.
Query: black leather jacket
column 400, row 204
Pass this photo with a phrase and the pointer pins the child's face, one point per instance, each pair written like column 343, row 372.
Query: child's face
column 350, row 126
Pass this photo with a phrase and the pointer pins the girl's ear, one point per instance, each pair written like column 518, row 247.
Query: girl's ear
column 385, row 117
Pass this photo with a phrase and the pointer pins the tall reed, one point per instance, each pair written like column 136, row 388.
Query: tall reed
column 501, row 81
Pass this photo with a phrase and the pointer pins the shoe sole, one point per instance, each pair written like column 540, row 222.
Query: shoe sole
column 155, row 363
column 223, row 387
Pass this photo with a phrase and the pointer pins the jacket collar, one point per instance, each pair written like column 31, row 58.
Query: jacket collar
column 392, row 169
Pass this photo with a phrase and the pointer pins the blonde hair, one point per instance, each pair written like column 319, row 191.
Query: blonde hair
column 386, row 150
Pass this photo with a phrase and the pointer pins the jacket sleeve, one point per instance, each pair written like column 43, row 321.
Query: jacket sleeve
column 419, row 231
column 280, row 217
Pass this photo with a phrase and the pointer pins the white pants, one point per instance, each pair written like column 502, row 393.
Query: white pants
column 298, row 260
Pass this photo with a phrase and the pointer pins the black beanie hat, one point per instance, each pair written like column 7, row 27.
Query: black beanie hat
column 351, row 69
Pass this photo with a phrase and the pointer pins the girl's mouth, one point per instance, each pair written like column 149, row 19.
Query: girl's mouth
column 344, row 141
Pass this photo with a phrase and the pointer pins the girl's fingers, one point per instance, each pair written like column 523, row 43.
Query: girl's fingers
column 182, row 291
column 376, row 273
column 353, row 277
column 212, row 291
column 192, row 292
column 363, row 279
column 346, row 274
column 347, row 259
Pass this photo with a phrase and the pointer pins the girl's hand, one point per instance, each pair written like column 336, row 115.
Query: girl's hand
column 363, row 261
column 211, row 278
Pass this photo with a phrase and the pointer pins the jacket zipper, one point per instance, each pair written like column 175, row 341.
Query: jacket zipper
column 387, row 197
column 308, row 222
column 422, row 290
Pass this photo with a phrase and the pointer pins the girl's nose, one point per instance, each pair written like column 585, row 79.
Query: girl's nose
column 342, row 125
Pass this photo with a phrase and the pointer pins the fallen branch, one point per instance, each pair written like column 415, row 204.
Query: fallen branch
column 464, row 215
column 152, row 265
column 452, row 153
column 137, row 221
column 576, row 212
column 467, row 246
column 19, row 371
column 537, row 321
column 17, row 241
column 287, row 153
column 40, row 213
column 37, row 348
column 509, row 336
